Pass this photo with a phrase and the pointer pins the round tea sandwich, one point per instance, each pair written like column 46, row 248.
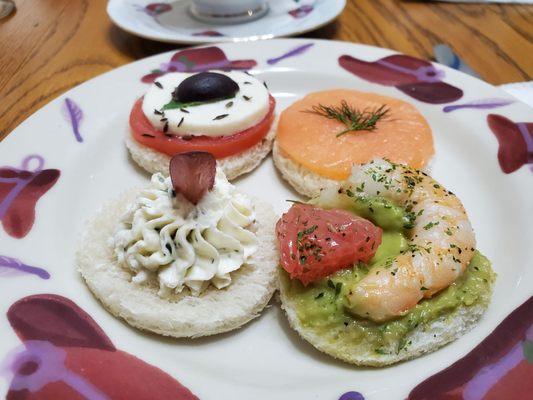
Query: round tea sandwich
column 382, row 268
column 320, row 137
column 228, row 114
column 187, row 256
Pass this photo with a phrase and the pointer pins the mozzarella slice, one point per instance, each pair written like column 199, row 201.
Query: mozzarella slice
column 221, row 118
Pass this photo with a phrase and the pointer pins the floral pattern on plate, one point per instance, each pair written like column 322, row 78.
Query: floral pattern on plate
column 416, row 78
column 515, row 141
column 12, row 267
column 302, row 11
column 73, row 114
column 480, row 104
column 66, row 355
column 154, row 9
column 20, row 189
column 500, row 367
column 296, row 51
column 198, row 60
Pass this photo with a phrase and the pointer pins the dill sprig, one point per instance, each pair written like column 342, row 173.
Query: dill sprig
column 351, row 117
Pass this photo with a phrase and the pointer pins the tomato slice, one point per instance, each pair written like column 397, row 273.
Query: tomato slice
column 222, row 146
column 315, row 243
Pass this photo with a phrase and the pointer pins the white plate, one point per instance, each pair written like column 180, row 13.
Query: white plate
column 170, row 21
column 265, row 359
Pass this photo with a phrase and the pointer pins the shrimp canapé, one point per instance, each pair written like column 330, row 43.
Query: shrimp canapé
column 382, row 267
column 441, row 241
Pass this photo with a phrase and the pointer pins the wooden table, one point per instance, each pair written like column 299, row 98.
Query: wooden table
column 49, row 46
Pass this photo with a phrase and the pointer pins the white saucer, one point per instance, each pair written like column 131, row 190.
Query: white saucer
column 170, row 21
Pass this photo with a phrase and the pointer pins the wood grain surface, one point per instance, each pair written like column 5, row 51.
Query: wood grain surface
column 49, row 46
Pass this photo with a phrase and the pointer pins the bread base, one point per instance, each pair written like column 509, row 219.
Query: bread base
column 301, row 179
column 183, row 315
column 304, row 181
column 233, row 166
column 424, row 339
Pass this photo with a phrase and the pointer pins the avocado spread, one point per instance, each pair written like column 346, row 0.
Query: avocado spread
column 323, row 307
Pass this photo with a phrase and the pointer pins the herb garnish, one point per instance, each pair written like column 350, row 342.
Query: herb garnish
column 295, row 201
column 338, row 288
column 352, row 118
column 220, row 117
column 305, row 232
column 409, row 220
column 381, row 351
column 430, row 225
column 173, row 104
column 310, row 247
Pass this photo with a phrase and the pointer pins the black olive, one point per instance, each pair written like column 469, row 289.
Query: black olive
column 205, row 86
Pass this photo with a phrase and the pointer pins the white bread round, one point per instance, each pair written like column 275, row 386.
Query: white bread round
column 424, row 338
column 215, row 311
column 233, row 166
column 304, row 181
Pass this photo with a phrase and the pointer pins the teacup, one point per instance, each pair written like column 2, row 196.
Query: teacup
column 228, row 11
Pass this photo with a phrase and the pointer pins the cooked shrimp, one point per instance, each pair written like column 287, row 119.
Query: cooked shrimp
column 441, row 242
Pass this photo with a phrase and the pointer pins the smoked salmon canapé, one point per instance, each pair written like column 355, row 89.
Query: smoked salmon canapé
column 320, row 137
column 381, row 268
column 228, row 114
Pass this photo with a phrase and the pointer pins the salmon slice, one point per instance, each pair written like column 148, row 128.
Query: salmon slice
column 402, row 136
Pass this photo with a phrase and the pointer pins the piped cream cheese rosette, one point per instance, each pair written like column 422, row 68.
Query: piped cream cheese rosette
column 189, row 255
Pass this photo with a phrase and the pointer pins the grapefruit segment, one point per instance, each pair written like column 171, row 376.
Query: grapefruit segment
column 315, row 243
